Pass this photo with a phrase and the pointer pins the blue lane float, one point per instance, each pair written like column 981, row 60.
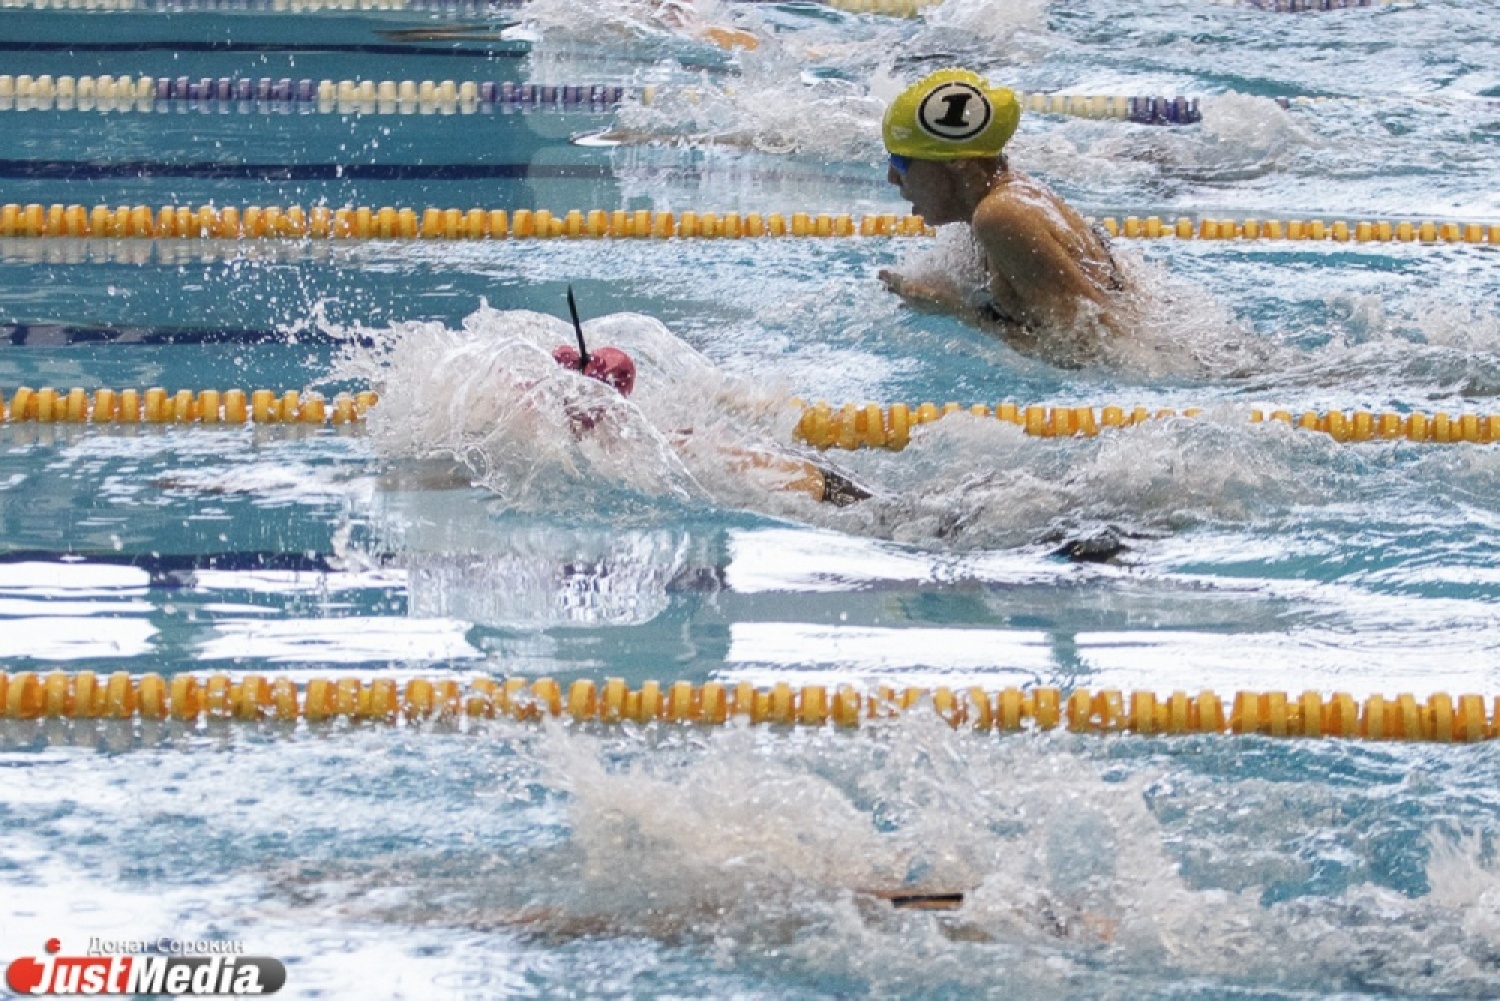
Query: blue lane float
column 268, row 95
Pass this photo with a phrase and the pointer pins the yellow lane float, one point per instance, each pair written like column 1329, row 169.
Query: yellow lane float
column 190, row 698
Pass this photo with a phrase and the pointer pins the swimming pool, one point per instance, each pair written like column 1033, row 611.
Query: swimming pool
column 438, row 861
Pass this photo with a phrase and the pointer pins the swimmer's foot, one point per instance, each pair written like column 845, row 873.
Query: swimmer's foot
column 904, row 901
column 839, row 490
column 1104, row 545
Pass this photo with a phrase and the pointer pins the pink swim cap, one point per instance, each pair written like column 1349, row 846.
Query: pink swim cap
column 610, row 366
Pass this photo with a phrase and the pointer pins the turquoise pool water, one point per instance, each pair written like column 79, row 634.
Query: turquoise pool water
column 555, row 861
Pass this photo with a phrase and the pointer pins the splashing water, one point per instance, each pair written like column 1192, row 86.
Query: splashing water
column 1176, row 328
column 1439, row 349
column 1242, row 137
column 646, row 26
column 768, row 108
column 1077, row 865
column 986, row 29
column 489, row 398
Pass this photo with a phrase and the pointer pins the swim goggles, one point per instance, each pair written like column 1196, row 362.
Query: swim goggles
column 900, row 164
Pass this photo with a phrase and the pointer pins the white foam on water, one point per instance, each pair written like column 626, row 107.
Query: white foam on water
column 1065, row 865
column 1082, row 874
column 1241, row 137
column 771, row 107
column 1174, row 328
column 645, row 26
column 1427, row 350
column 1090, row 866
column 548, row 578
column 993, row 29
column 776, row 104
column 489, row 398
column 985, row 483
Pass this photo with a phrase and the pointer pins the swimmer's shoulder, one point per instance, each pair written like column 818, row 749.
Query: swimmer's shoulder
column 1020, row 215
column 1019, row 207
column 1018, row 199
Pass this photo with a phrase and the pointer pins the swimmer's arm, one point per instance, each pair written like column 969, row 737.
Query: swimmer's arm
column 933, row 295
column 819, row 481
column 1021, row 246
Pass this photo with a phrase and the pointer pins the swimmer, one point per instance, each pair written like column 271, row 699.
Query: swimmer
column 1047, row 272
column 683, row 15
column 616, row 369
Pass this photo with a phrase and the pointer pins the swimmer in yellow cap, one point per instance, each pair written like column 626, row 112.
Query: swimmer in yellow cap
column 1049, row 277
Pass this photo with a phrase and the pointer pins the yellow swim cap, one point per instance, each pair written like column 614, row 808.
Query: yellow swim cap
column 951, row 115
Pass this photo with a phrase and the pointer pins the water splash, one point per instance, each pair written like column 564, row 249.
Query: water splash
column 537, row 576
column 996, row 32
column 1242, row 136
column 770, row 107
column 489, row 399
column 1080, row 863
column 1432, row 349
column 645, row 28
column 764, row 848
column 1166, row 326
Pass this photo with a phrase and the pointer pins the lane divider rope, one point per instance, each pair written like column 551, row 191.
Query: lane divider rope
column 24, row 92
column 263, row 6
column 43, row 92
column 1141, row 110
column 268, row 95
column 208, row 406
column 189, row 698
column 1337, row 230
column 391, row 223
column 849, row 427
column 895, row 8
column 1460, row 101
column 1304, row 6
column 872, row 426
column 1179, row 110
column 915, row 8
column 889, row 8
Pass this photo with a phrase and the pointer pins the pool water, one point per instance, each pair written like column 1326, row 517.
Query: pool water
column 466, row 531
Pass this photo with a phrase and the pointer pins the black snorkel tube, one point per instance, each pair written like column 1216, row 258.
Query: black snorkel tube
column 583, row 351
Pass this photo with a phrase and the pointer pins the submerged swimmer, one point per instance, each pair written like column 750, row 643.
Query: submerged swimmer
column 683, row 15
column 1049, row 276
column 616, row 369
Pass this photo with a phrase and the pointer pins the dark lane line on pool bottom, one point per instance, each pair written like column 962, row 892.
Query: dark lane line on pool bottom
column 51, row 335
column 82, row 170
column 170, row 571
column 504, row 50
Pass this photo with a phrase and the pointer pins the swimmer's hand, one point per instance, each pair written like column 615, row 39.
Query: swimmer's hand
column 926, row 296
